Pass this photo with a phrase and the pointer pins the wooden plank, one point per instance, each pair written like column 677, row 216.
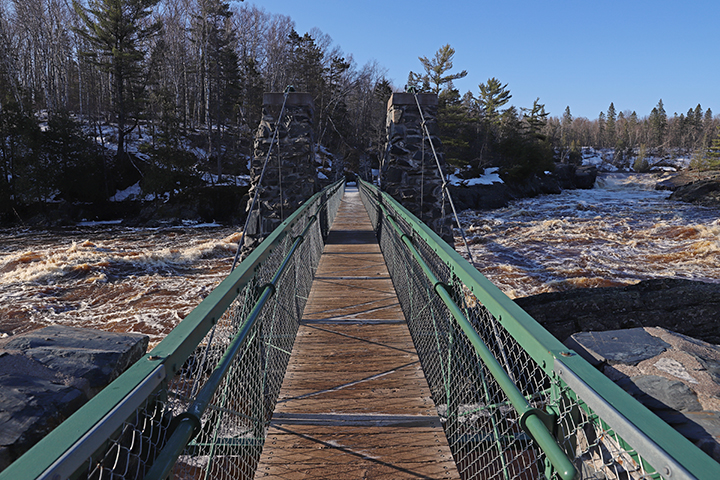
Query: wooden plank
column 354, row 401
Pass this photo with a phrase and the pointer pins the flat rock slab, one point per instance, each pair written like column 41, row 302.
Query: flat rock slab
column 97, row 356
column 617, row 346
column 674, row 376
column 47, row 374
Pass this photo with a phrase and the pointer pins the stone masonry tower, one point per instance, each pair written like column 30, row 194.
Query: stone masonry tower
column 290, row 177
column 409, row 172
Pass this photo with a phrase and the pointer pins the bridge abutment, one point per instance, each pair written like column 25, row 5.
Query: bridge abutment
column 409, row 172
column 290, row 177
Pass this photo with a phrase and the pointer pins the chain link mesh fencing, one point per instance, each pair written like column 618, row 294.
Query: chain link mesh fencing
column 486, row 433
column 228, row 439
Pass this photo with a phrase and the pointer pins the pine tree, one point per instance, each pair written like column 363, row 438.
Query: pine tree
column 658, row 124
column 493, row 96
column 641, row 164
column 633, row 127
column 601, row 130
column 622, row 127
column 306, row 64
column 419, row 83
column 536, row 118
column 713, row 153
column 251, row 96
column 436, row 68
column 118, row 31
column 610, row 126
column 456, row 128
column 697, row 125
column 708, row 126
column 219, row 70
column 566, row 127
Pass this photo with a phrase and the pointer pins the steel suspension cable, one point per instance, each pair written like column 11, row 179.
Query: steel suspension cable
column 422, row 179
column 279, row 155
column 426, row 132
column 262, row 174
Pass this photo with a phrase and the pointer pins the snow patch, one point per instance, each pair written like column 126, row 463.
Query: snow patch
column 132, row 192
column 488, row 177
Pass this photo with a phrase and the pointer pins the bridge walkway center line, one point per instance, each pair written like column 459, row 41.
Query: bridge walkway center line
column 354, row 402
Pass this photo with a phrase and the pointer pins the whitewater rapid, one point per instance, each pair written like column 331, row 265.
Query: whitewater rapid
column 116, row 279
column 618, row 233
column 147, row 280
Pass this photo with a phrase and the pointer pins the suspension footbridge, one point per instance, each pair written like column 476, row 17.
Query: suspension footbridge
column 354, row 342
column 319, row 358
column 354, row 401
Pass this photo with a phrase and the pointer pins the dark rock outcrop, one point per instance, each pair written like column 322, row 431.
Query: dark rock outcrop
column 702, row 192
column 702, row 188
column 481, row 197
column 675, row 181
column 683, row 306
column 498, row 195
column 47, row 374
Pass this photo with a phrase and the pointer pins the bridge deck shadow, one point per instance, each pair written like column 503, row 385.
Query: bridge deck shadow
column 354, row 401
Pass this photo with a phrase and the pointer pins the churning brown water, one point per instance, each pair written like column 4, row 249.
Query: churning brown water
column 117, row 279
column 147, row 280
column 618, row 233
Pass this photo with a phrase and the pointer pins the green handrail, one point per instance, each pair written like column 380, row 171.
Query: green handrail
column 190, row 423
column 171, row 352
column 530, row 418
column 547, row 351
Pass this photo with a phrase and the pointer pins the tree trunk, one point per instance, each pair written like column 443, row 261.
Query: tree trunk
column 119, row 94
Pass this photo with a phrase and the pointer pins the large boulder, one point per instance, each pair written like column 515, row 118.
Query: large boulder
column 47, row 374
column 585, row 177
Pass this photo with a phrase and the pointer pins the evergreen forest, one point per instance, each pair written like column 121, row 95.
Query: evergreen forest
column 99, row 95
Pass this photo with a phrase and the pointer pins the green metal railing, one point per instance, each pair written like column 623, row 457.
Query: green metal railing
column 514, row 401
column 199, row 404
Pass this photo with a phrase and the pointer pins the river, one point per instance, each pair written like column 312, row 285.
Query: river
column 620, row 232
column 147, row 280
column 109, row 277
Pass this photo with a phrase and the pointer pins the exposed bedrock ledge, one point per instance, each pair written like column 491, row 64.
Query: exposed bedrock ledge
column 683, row 306
column 498, row 195
column 702, row 188
column 656, row 339
column 674, row 376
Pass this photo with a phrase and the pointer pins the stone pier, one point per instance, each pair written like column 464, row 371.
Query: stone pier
column 290, row 176
column 409, row 172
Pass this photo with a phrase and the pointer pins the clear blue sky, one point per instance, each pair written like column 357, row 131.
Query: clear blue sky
column 582, row 53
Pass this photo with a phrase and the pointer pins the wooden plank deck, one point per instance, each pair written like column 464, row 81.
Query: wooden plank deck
column 354, row 402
